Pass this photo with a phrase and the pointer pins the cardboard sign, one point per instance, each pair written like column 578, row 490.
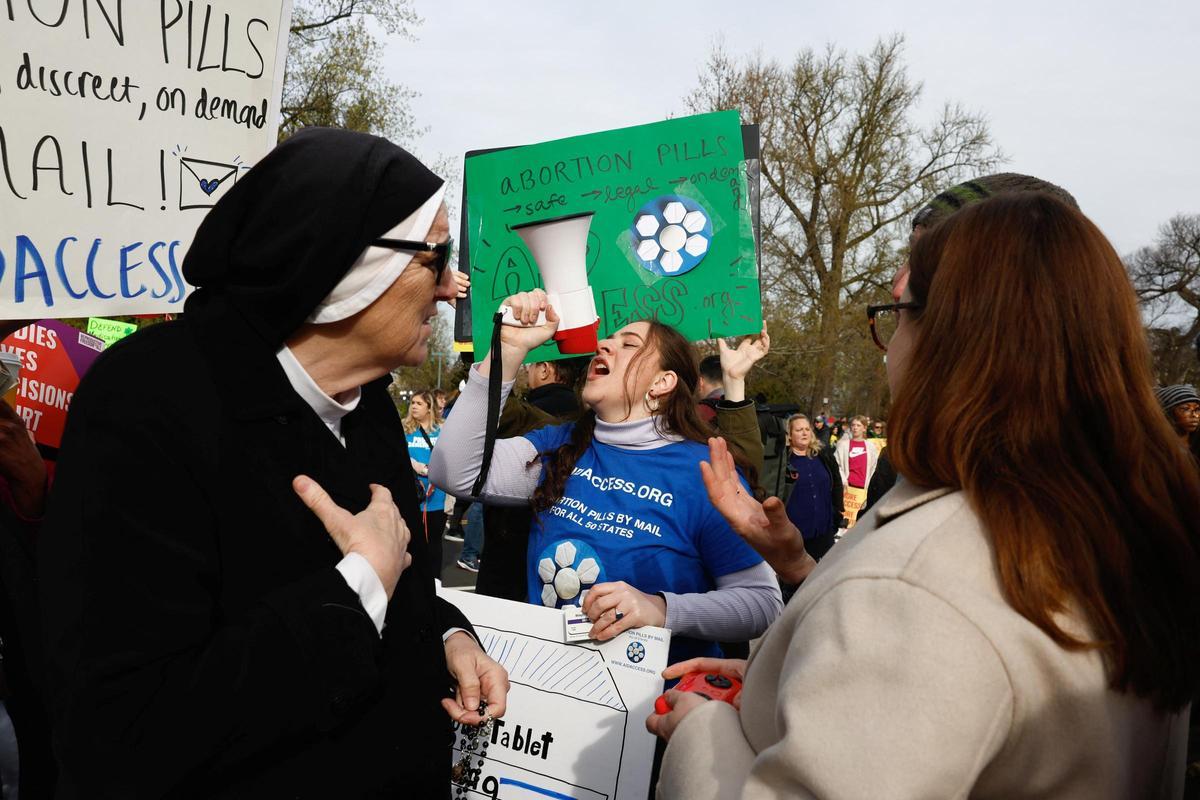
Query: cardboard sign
column 121, row 124
column 109, row 330
column 672, row 236
column 54, row 357
column 853, row 500
column 576, row 720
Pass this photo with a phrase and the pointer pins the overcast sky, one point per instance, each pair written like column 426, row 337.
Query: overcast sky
column 1100, row 97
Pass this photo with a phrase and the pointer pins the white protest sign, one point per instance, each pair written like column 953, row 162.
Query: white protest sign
column 121, row 124
column 576, row 721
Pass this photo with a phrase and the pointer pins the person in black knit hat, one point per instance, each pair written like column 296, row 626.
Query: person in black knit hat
column 938, row 209
column 1181, row 404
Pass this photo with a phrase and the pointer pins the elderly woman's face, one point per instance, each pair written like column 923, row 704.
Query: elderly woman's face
column 401, row 323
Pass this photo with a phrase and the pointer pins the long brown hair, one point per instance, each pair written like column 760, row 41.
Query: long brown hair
column 676, row 414
column 1029, row 387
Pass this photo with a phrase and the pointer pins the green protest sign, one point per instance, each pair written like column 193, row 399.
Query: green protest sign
column 671, row 234
column 109, row 330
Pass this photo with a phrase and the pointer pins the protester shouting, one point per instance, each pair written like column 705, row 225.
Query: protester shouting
column 655, row 551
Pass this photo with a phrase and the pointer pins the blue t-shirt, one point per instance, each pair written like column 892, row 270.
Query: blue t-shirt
column 420, row 451
column 639, row 516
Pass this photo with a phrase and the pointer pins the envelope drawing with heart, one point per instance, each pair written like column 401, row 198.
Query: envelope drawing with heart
column 203, row 183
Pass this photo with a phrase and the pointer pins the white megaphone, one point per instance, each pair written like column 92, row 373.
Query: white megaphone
column 559, row 249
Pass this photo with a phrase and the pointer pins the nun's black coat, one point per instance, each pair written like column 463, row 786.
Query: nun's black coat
column 201, row 641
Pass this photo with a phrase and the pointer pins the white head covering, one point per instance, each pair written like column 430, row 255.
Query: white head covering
column 377, row 268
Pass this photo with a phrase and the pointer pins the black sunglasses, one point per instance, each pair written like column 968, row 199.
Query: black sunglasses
column 886, row 311
column 441, row 251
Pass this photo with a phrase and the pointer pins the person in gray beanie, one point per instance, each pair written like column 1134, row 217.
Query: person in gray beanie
column 1182, row 407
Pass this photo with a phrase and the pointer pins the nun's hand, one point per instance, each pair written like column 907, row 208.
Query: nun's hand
column 377, row 533
column 475, row 675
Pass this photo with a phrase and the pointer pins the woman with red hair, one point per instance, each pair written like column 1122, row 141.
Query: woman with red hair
column 1018, row 617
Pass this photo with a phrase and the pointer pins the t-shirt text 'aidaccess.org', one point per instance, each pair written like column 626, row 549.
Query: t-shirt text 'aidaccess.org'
column 615, row 484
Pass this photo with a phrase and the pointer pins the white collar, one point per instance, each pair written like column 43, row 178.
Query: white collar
column 329, row 410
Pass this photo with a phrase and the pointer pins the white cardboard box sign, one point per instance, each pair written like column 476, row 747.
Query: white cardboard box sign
column 576, row 720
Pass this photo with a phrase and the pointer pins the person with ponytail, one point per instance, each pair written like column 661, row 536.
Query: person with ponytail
column 621, row 525
column 1018, row 616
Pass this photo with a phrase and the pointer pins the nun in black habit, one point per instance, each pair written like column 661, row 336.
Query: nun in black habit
column 208, row 635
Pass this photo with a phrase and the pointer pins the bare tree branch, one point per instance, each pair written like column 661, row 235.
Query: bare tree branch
column 844, row 164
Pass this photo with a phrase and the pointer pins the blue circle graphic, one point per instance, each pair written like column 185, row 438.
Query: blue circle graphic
column 671, row 235
column 566, row 569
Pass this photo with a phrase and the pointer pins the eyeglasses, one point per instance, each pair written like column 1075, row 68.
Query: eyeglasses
column 884, row 320
column 440, row 250
column 1190, row 409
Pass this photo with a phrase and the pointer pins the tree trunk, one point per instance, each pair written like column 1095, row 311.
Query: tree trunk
column 825, row 368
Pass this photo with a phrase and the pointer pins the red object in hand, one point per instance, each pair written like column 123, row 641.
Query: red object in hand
column 706, row 684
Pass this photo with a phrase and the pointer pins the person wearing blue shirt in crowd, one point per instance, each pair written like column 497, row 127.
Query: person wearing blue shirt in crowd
column 622, row 524
column 421, row 427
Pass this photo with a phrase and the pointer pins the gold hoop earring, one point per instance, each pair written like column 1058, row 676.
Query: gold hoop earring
column 651, row 402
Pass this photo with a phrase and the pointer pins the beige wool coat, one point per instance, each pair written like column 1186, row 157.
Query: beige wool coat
column 899, row 671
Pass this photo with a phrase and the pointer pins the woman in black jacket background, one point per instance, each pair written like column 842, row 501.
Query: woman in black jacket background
column 814, row 500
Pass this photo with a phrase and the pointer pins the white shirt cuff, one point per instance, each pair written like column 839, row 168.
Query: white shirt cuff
column 361, row 577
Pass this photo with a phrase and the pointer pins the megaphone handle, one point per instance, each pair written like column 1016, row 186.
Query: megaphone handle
column 511, row 321
column 493, row 411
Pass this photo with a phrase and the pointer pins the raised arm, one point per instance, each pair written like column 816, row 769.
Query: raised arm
column 458, row 457
column 736, row 363
column 457, row 460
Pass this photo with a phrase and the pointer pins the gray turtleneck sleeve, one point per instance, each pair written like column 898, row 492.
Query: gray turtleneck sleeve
column 739, row 609
column 456, row 461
